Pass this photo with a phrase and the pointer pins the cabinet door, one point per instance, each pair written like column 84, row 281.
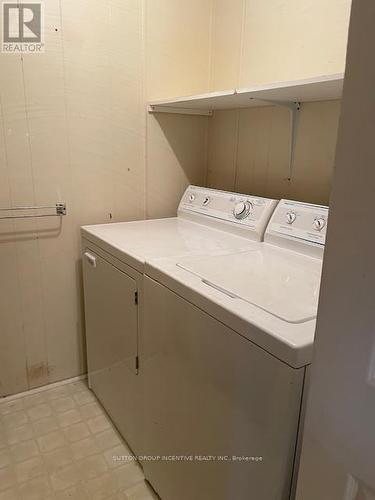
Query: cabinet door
column 111, row 335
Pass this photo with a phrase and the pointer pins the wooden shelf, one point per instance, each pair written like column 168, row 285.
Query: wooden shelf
column 321, row 88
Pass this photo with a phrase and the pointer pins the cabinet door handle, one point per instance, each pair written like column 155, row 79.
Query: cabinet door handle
column 90, row 259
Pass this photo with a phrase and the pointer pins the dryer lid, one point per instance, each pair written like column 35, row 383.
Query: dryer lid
column 282, row 283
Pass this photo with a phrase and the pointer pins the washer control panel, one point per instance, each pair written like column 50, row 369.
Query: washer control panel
column 303, row 222
column 240, row 210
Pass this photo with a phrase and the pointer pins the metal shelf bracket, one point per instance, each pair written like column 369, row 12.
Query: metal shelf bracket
column 294, row 108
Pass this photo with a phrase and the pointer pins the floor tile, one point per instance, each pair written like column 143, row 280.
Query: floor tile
column 101, row 487
column 69, row 418
column 30, row 469
column 23, row 451
column 92, row 466
column 128, row 475
column 11, row 406
column 37, row 489
column 60, row 444
column 108, row 439
column 5, row 458
column 34, row 400
column 80, row 385
column 56, row 459
column 40, row 411
column 3, row 440
column 140, row 491
column 91, row 410
column 117, row 456
column 64, row 477
column 7, row 478
column 99, row 424
column 19, row 434
column 61, row 405
column 84, row 448
column 45, row 425
column 51, row 441
column 11, row 494
column 76, row 432
column 75, row 493
column 83, row 397
column 14, row 420
column 58, row 392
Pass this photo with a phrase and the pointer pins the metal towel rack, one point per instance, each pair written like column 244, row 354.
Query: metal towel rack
column 59, row 207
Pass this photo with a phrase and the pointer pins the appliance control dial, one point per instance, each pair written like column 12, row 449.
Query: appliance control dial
column 291, row 217
column 206, row 201
column 242, row 209
column 319, row 223
column 191, row 197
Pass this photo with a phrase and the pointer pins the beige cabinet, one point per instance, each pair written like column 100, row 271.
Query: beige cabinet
column 111, row 310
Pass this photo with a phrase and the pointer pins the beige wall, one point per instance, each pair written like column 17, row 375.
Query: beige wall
column 74, row 127
column 200, row 46
column 176, row 157
column 71, row 130
column 338, row 451
column 177, row 47
column 237, row 43
column 248, row 151
column 257, row 41
column 177, row 55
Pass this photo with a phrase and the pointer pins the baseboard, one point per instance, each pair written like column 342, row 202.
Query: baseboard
column 43, row 388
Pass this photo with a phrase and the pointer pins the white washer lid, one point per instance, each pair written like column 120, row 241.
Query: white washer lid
column 283, row 283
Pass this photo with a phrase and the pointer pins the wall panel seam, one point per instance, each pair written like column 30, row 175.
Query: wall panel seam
column 236, row 148
column 35, row 226
column 144, row 102
column 211, row 43
column 242, row 45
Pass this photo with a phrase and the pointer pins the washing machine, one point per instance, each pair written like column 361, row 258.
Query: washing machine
column 114, row 256
column 228, row 341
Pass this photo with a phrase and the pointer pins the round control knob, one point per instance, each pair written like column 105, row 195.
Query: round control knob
column 290, row 217
column 242, row 209
column 206, row 201
column 191, row 197
column 319, row 223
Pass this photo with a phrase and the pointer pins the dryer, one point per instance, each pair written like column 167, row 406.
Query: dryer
column 227, row 343
column 114, row 256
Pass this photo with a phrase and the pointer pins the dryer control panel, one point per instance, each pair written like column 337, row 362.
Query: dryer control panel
column 298, row 225
column 241, row 211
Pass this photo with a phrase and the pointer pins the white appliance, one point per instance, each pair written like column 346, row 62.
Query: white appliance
column 227, row 339
column 114, row 256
